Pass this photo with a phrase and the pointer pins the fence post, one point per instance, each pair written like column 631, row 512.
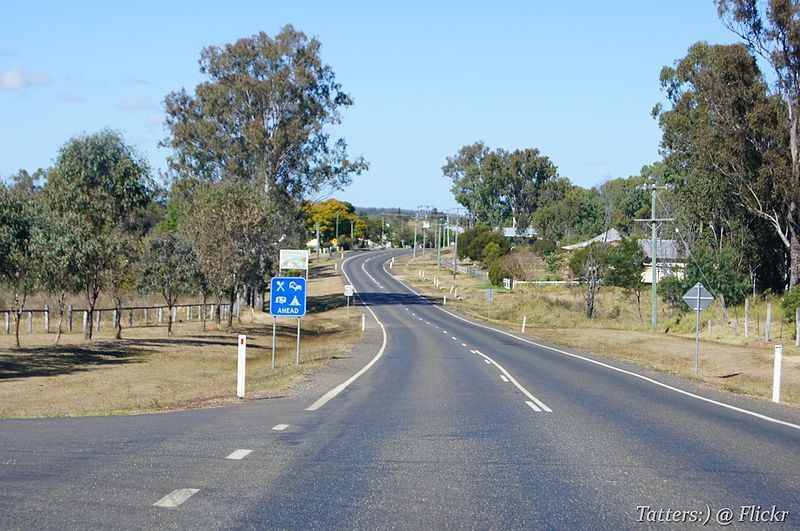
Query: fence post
column 524, row 322
column 188, row 313
column 114, row 318
column 30, row 322
column 797, row 327
column 160, row 315
column 46, row 319
column 7, row 322
column 174, row 314
column 768, row 324
column 709, row 326
column 145, row 316
column 746, row 317
column 97, row 323
column 69, row 318
column 85, row 320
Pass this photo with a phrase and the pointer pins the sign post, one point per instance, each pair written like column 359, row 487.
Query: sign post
column 698, row 298
column 287, row 298
column 348, row 292
column 489, row 298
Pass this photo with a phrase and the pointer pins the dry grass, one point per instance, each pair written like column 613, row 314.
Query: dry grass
column 557, row 315
column 148, row 371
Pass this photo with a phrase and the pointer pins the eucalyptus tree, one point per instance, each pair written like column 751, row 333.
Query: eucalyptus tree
column 728, row 156
column 18, row 222
column 261, row 116
column 167, row 264
column 495, row 185
column 56, row 247
column 235, row 230
column 100, row 182
column 771, row 29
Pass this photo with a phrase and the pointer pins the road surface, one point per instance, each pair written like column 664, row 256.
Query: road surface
column 433, row 422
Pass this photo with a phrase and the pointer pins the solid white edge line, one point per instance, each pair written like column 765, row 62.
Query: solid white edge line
column 324, row 399
column 176, row 497
column 280, row 427
column 239, row 454
column 617, row 369
column 515, row 382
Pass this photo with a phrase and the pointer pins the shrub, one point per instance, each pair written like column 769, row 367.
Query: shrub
column 671, row 289
column 491, row 253
column 790, row 301
column 497, row 272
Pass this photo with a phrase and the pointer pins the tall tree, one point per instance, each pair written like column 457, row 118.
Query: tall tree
column 101, row 182
column 260, row 117
column 168, row 265
column 771, row 29
column 18, row 221
column 234, row 229
column 726, row 153
column 495, row 185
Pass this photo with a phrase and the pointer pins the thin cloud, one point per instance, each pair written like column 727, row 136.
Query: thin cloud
column 136, row 81
column 69, row 97
column 137, row 103
column 595, row 162
column 19, row 79
column 5, row 52
column 155, row 119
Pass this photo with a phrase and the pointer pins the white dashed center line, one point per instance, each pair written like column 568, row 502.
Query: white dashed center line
column 463, row 344
column 280, row 427
column 502, row 377
column 176, row 497
column 239, row 454
column 454, row 338
column 535, row 403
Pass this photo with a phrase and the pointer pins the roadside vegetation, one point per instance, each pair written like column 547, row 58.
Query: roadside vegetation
column 556, row 314
column 150, row 370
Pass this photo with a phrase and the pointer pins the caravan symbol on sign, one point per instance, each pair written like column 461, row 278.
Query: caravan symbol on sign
column 287, row 297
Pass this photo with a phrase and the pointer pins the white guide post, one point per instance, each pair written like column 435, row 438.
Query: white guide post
column 240, row 368
column 776, row 374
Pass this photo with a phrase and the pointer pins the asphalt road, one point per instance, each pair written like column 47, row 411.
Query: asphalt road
column 452, row 424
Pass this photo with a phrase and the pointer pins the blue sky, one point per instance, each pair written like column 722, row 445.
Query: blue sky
column 575, row 79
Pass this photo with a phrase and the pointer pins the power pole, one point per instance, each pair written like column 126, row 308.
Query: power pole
column 655, row 223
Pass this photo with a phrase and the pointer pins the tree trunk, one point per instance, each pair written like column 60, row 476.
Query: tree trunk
column 118, row 324
column 17, row 317
column 91, row 300
column 230, row 312
column 169, row 319
column 203, row 311
column 61, row 300
column 20, row 306
column 794, row 247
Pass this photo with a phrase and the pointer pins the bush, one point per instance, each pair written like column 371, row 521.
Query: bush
column 472, row 243
column 544, row 247
column 671, row 289
column 491, row 253
column 790, row 301
column 497, row 272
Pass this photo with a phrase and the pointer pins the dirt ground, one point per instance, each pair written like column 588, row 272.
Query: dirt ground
column 149, row 371
column 556, row 315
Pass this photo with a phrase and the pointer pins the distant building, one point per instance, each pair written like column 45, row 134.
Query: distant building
column 512, row 233
column 611, row 236
column 670, row 259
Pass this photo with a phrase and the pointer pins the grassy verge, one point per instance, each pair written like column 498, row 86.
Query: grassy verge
column 556, row 314
column 148, row 371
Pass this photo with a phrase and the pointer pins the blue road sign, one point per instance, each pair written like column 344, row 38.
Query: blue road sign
column 287, row 297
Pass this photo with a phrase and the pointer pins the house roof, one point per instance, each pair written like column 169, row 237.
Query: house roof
column 609, row 236
column 671, row 250
column 512, row 232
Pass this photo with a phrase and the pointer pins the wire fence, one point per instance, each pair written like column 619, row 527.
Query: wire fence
column 139, row 315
